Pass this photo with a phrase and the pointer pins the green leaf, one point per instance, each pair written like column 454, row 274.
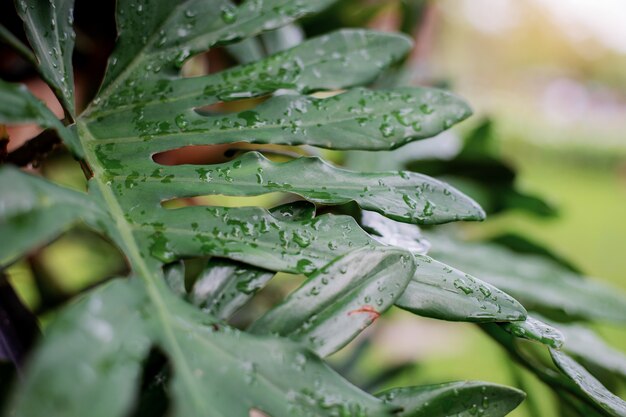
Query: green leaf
column 340, row 300
column 19, row 106
column 225, row 286
column 539, row 283
column 445, row 293
column 402, row 196
column 34, row 211
column 49, row 28
column 591, row 387
column 93, row 354
column 585, row 344
column 248, row 234
column 357, row 119
column 533, row 329
column 307, row 67
column 437, row 290
column 156, row 37
column 103, row 340
column 459, row 399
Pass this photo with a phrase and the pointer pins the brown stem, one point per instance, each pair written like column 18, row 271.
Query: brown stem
column 35, row 149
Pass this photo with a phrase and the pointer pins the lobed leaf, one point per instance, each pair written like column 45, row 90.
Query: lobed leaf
column 156, row 37
column 99, row 344
column 103, row 340
column 459, row 399
column 338, row 60
column 337, row 302
column 402, row 196
column 357, row 119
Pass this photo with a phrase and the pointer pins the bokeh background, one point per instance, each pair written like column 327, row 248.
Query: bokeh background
column 548, row 77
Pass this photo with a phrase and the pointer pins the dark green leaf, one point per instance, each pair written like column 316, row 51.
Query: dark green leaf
column 336, row 303
column 156, row 37
column 459, row 399
column 445, row 293
column 533, row 329
column 34, row 211
column 103, row 340
column 402, row 196
column 249, row 234
column 613, row 405
column 585, row 344
column 304, row 68
column 49, row 28
column 357, row 119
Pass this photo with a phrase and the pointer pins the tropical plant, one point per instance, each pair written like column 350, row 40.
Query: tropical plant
column 161, row 341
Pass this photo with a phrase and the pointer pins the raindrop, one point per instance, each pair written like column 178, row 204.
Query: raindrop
column 228, row 15
column 181, row 122
column 426, row 109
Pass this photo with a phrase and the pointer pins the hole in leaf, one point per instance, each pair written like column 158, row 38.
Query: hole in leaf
column 217, row 154
column 272, row 294
column 235, row 102
column 268, row 200
column 215, row 60
column 257, row 413
column 195, row 155
column 154, row 400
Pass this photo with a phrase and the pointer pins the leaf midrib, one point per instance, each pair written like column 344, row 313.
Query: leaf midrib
column 139, row 265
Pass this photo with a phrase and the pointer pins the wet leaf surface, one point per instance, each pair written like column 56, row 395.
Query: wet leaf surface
column 49, row 29
column 611, row 403
column 459, row 399
column 103, row 340
column 340, row 300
